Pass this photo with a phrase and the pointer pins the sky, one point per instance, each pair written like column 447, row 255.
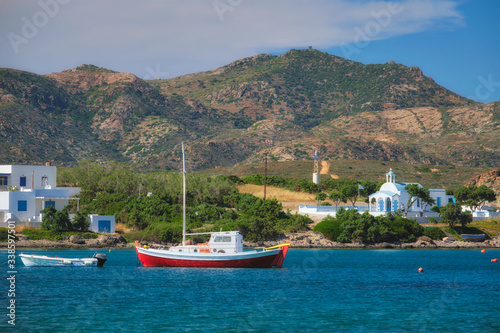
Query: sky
column 456, row 42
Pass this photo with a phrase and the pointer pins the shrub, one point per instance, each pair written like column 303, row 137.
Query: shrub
column 329, row 227
column 434, row 233
column 56, row 220
column 4, row 235
column 38, row 234
column 349, row 225
column 81, row 222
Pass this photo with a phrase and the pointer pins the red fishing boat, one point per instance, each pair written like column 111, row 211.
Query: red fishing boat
column 224, row 249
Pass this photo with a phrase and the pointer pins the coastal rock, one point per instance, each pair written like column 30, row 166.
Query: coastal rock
column 425, row 239
column 449, row 239
column 75, row 239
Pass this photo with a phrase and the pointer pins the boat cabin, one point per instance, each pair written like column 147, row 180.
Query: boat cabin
column 220, row 242
column 226, row 242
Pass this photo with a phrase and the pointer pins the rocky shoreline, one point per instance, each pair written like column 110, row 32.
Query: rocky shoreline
column 317, row 241
column 298, row 240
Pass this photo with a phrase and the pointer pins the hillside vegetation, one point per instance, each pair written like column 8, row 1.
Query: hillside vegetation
column 284, row 106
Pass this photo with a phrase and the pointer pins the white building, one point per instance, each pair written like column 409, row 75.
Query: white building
column 25, row 190
column 392, row 196
column 102, row 223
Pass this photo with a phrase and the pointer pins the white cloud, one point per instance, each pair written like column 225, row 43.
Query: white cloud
column 188, row 36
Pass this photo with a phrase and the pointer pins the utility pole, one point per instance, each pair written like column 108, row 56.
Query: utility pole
column 265, row 174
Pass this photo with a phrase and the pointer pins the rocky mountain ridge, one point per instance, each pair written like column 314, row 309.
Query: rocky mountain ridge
column 284, row 106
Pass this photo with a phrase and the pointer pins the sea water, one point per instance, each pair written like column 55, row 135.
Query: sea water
column 315, row 291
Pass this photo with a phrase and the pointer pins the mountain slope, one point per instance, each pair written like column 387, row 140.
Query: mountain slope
column 285, row 106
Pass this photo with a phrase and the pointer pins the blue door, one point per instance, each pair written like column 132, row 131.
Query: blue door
column 438, row 201
column 104, row 226
column 380, row 205
column 395, row 206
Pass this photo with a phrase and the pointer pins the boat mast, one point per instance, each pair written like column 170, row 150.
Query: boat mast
column 183, row 197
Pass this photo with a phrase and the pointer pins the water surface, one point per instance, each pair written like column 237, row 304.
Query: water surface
column 315, row 291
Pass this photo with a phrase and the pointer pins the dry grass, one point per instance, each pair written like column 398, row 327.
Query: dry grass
column 280, row 194
column 20, row 227
column 121, row 228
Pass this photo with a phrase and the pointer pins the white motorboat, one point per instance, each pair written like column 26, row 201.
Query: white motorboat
column 38, row 260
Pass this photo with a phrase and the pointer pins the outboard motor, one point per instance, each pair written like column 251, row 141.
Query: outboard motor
column 101, row 259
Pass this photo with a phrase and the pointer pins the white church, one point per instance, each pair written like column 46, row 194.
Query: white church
column 392, row 197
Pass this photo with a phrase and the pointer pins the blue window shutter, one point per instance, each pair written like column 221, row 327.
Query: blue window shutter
column 22, row 206
column 22, row 181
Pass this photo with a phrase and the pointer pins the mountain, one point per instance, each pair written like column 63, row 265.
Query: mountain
column 284, row 106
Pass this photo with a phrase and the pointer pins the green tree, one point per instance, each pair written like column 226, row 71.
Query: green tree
column 452, row 214
column 350, row 192
column 473, row 196
column 56, row 220
column 81, row 222
column 417, row 192
column 337, row 198
column 320, row 197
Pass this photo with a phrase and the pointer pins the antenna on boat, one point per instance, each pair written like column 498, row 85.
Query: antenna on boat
column 183, row 197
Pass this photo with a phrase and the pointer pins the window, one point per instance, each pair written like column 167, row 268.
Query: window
column 22, row 206
column 45, row 181
column 3, row 180
column 50, row 203
column 223, row 239
column 22, row 181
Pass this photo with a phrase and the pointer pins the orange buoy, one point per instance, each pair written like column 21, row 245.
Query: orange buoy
column 494, row 260
column 420, row 270
column 483, row 250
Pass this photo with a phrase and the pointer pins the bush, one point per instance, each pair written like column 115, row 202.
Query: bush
column 4, row 235
column 349, row 225
column 169, row 232
column 434, row 233
column 330, row 228
column 56, row 220
column 81, row 222
column 38, row 234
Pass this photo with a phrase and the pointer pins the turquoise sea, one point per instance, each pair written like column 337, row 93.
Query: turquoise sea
column 315, row 291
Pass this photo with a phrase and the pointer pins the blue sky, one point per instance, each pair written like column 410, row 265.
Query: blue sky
column 456, row 42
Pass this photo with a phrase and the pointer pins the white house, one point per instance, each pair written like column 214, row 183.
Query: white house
column 392, row 196
column 102, row 223
column 25, row 190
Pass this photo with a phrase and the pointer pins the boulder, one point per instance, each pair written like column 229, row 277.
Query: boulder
column 449, row 239
column 75, row 239
column 425, row 239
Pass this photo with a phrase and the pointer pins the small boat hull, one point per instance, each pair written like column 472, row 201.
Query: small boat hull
column 246, row 259
column 473, row 237
column 33, row 260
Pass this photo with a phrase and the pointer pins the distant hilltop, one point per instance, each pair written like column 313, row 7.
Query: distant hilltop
column 285, row 106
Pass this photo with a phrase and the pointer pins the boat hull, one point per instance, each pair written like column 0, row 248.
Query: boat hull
column 473, row 237
column 246, row 259
column 44, row 261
